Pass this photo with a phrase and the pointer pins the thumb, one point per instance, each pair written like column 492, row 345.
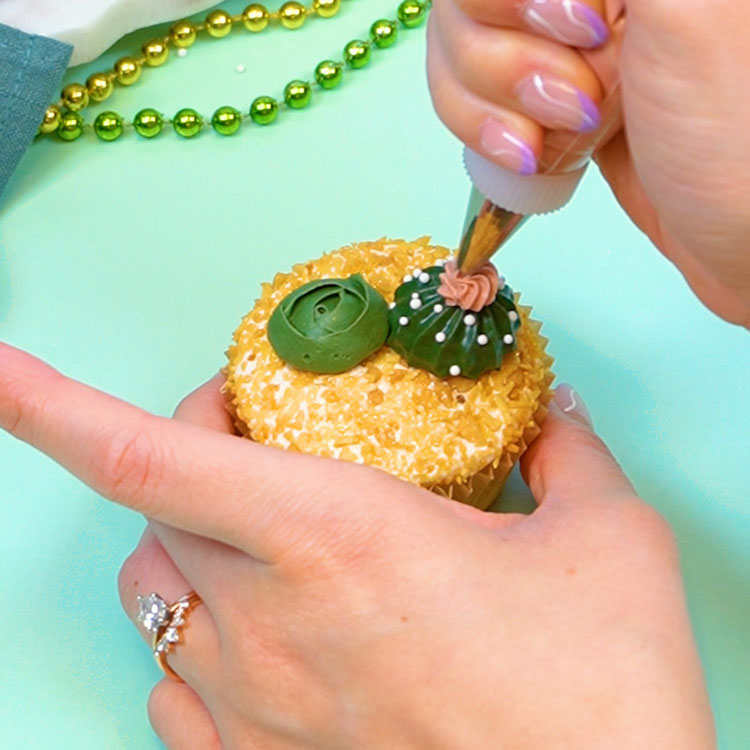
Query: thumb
column 206, row 406
column 568, row 463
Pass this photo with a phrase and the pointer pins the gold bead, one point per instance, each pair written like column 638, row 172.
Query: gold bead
column 128, row 70
column 326, row 8
column 218, row 23
column 292, row 14
column 99, row 86
column 156, row 52
column 75, row 96
column 183, row 34
column 51, row 120
column 255, row 17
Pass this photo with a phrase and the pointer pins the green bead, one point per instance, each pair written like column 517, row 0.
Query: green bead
column 357, row 53
column 51, row 120
column 383, row 33
column 71, row 126
column 187, row 123
column 297, row 94
column 226, row 120
column 148, row 123
column 328, row 74
column 263, row 110
column 411, row 13
column 108, row 126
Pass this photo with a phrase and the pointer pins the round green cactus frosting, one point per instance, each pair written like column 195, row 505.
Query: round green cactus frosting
column 445, row 339
column 329, row 325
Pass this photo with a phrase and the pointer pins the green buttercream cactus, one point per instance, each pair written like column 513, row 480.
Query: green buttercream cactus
column 329, row 325
column 453, row 325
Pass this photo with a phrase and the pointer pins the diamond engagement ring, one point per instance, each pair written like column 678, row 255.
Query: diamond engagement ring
column 164, row 622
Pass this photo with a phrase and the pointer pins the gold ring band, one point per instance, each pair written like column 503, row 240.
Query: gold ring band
column 166, row 623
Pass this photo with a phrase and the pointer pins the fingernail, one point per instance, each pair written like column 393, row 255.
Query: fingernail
column 569, row 400
column 557, row 104
column 508, row 149
column 567, row 21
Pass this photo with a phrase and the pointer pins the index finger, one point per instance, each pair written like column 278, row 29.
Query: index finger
column 196, row 479
column 577, row 23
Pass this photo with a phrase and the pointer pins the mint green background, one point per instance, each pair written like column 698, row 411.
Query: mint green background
column 128, row 265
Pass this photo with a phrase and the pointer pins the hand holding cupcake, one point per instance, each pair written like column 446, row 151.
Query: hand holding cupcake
column 333, row 590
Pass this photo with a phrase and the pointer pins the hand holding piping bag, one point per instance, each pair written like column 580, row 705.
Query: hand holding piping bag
column 523, row 83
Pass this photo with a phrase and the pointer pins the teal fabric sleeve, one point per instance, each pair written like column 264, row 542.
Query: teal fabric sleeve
column 31, row 68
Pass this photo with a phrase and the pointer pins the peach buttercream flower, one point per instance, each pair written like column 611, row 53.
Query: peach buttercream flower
column 469, row 292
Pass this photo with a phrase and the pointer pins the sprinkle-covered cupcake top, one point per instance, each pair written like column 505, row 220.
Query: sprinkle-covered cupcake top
column 442, row 320
column 403, row 420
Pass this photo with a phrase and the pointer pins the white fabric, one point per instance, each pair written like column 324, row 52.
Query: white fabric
column 92, row 26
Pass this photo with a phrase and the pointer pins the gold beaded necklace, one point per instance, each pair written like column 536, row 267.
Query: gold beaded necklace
column 64, row 118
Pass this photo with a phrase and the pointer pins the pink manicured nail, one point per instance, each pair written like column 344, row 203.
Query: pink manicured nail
column 508, row 149
column 567, row 398
column 567, row 21
column 557, row 104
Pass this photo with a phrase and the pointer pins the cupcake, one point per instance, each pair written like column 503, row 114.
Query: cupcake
column 383, row 353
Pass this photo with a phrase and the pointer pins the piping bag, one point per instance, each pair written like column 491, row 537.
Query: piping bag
column 501, row 200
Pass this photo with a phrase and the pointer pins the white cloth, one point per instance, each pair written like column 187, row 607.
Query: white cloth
column 92, row 26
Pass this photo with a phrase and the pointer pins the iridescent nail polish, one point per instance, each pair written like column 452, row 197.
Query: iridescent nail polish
column 506, row 148
column 557, row 104
column 569, row 401
column 567, row 21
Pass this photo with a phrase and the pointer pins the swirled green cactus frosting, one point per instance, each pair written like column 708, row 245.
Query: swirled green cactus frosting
column 445, row 339
column 329, row 325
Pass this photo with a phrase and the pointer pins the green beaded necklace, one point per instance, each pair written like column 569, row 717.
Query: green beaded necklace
column 226, row 120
